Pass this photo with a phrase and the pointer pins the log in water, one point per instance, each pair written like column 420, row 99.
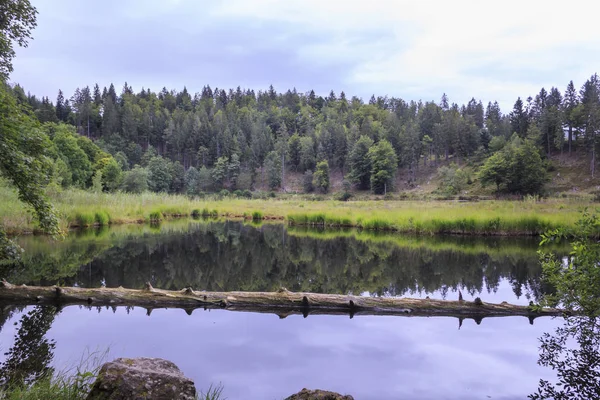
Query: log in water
column 282, row 302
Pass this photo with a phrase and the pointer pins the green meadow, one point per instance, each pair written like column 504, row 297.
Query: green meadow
column 78, row 208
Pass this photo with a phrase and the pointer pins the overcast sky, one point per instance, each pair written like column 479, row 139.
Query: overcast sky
column 409, row 49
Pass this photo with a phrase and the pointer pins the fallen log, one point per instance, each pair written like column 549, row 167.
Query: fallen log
column 282, row 302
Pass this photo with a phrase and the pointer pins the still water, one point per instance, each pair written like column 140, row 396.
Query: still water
column 260, row 356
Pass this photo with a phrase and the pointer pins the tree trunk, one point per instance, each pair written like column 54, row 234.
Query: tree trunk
column 570, row 137
column 282, row 302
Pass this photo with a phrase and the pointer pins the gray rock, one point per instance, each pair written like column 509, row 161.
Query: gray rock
column 141, row 379
column 306, row 394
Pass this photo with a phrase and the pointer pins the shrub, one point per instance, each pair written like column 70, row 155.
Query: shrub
column 452, row 180
column 257, row 215
column 342, row 196
column 196, row 213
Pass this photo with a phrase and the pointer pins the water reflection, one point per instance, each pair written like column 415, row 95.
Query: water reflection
column 30, row 356
column 226, row 256
column 258, row 356
column 573, row 351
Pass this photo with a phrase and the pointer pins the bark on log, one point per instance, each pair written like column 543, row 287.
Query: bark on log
column 282, row 302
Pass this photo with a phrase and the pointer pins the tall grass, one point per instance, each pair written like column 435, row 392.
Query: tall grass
column 77, row 207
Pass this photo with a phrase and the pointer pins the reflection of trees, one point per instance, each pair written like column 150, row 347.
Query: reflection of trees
column 573, row 351
column 233, row 256
column 30, row 356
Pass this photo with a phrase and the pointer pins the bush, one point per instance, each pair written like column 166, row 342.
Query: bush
column 196, row 213
column 343, row 196
column 257, row 216
column 453, row 180
column 247, row 194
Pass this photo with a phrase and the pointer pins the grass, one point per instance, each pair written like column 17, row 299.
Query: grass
column 420, row 217
column 76, row 388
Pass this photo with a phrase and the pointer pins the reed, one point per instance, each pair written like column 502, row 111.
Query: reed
column 421, row 217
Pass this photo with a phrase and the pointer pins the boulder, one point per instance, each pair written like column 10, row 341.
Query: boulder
column 141, row 379
column 306, row 394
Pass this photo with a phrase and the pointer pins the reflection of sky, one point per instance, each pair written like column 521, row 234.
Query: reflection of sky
column 258, row 356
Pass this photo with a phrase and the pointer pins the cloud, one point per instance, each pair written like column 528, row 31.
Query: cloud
column 413, row 50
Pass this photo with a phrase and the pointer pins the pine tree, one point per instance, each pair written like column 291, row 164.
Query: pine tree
column 60, row 107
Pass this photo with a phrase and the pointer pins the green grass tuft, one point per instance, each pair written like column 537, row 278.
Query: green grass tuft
column 102, row 218
column 84, row 219
column 257, row 216
column 156, row 216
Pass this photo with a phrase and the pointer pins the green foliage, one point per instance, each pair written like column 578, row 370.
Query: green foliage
column 233, row 169
column 177, row 174
column 576, row 280
column 321, row 177
column 121, row 159
column 307, row 155
column 102, row 218
column 257, row 215
column 219, row 171
column 307, row 181
column 294, row 150
column 97, row 182
column 360, row 163
column 213, row 393
column 205, row 180
column 77, row 160
column 497, row 143
column 155, row 215
column 273, row 167
column 17, row 22
column 111, row 174
column 517, row 168
column 24, row 159
column 135, row 180
column 453, row 180
column 85, row 219
column 191, row 180
column 383, row 166
column 159, row 174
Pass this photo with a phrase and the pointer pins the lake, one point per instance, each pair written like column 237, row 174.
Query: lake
column 261, row 356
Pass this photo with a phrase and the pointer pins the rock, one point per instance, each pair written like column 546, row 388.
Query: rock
column 141, row 379
column 306, row 394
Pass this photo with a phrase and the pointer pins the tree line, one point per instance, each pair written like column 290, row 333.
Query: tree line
column 176, row 142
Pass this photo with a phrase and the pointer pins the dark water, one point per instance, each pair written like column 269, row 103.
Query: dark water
column 259, row 356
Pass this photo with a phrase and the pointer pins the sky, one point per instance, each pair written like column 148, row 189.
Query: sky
column 408, row 49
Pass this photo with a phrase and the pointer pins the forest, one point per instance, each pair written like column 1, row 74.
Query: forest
column 235, row 139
